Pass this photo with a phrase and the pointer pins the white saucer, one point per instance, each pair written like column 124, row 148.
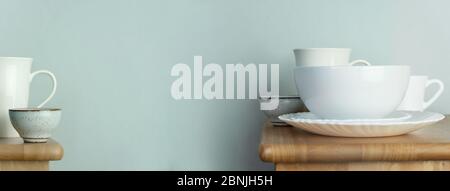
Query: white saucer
column 362, row 128
column 310, row 117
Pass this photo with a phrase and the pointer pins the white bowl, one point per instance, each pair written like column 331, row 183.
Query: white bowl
column 352, row 92
column 286, row 104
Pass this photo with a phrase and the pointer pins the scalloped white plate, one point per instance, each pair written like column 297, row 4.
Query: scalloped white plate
column 362, row 128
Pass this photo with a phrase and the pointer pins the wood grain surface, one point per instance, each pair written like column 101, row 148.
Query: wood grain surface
column 368, row 166
column 291, row 145
column 23, row 165
column 14, row 149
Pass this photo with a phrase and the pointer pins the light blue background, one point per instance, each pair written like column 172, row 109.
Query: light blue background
column 113, row 59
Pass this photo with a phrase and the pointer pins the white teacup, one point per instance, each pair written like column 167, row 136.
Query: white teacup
column 325, row 57
column 414, row 99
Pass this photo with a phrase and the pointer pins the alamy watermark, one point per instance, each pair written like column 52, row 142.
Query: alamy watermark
column 190, row 85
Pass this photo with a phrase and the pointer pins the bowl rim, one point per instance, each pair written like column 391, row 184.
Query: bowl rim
column 350, row 66
column 34, row 109
column 15, row 59
column 279, row 97
column 314, row 49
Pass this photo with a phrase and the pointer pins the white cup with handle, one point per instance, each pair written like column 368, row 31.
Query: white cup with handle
column 414, row 99
column 15, row 79
column 325, row 57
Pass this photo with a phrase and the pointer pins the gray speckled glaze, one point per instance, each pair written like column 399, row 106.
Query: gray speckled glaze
column 35, row 125
column 287, row 104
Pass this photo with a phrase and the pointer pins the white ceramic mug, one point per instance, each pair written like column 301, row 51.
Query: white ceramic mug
column 15, row 79
column 414, row 99
column 325, row 57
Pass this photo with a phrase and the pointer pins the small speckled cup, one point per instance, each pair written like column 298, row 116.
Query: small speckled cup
column 35, row 125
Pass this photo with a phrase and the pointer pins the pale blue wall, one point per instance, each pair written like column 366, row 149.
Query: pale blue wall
column 113, row 60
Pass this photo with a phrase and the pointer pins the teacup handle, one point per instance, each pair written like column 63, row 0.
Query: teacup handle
column 54, row 84
column 436, row 95
column 365, row 62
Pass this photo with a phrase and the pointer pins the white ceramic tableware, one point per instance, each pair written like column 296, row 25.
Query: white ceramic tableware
column 414, row 99
column 15, row 78
column 35, row 125
column 395, row 116
column 352, row 92
column 286, row 104
column 325, row 57
column 348, row 128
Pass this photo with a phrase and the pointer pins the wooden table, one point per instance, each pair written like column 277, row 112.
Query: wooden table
column 16, row 155
column 293, row 149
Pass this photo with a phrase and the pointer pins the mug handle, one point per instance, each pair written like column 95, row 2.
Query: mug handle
column 436, row 95
column 54, row 84
column 360, row 62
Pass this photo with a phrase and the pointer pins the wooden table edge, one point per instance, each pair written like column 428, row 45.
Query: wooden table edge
column 49, row 151
column 352, row 152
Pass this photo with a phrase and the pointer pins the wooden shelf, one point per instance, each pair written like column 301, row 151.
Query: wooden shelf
column 17, row 155
column 291, row 148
